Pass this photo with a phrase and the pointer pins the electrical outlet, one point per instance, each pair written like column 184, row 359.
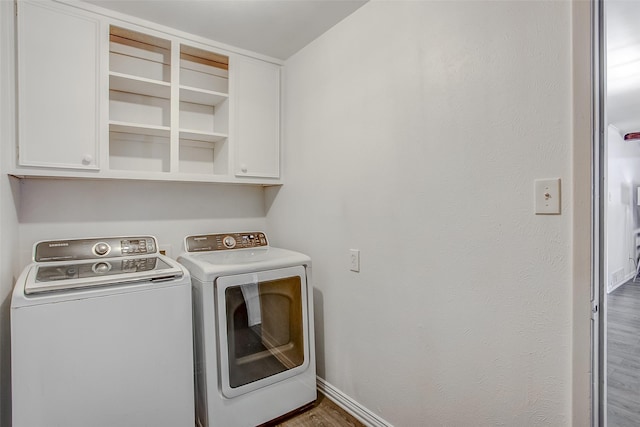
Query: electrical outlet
column 354, row 260
column 165, row 250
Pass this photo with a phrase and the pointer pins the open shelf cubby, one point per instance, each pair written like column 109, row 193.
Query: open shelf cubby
column 139, row 55
column 139, row 101
column 143, row 109
column 204, row 111
column 138, row 152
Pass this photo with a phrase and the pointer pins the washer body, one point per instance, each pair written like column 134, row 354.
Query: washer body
column 102, row 342
column 253, row 326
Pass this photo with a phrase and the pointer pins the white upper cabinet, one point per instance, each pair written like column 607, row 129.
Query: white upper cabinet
column 102, row 97
column 58, row 83
column 257, row 117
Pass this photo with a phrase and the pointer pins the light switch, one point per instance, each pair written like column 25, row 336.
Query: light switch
column 354, row 260
column 547, row 196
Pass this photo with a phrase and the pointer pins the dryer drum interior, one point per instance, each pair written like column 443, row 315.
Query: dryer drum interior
column 264, row 329
column 262, row 323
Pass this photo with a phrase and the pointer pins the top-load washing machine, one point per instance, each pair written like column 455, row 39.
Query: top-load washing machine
column 101, row 336
column 253, row 325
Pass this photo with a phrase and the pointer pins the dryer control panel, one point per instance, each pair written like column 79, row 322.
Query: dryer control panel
column 226, row 241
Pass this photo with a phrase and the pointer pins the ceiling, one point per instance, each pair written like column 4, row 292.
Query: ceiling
column 623, row 65
column 279, row 28
column 276, row 28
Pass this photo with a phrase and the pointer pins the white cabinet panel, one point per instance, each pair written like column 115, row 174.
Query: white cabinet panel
column 58, row 72
column 257, row 117
column 102, row 97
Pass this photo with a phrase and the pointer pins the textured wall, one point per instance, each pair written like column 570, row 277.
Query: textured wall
column 9, row 197
column 413, row 132
column 53, row 209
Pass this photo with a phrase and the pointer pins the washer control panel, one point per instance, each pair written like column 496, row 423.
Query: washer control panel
column 78, row 249
column 227, row 241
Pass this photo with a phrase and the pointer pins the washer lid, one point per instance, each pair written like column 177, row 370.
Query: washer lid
column 59, row 276
column 206, row 266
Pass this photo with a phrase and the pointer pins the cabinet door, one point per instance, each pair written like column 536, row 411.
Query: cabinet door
column 58, row 76
column 257, row 117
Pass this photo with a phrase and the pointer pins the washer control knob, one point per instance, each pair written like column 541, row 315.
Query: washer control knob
column 101, row 268
column 101, row 248
column 229, row 242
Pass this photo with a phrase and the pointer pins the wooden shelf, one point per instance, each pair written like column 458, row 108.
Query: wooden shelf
column 202, row 96
column 125, row 175
column 139, row 85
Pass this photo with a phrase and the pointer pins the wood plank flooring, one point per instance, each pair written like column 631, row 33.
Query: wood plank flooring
column 623, row 356
column 324, row 413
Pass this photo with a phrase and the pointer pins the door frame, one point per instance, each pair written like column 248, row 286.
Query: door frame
column 598, row 217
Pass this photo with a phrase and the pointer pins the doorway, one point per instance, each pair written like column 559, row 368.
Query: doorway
column 618, row 149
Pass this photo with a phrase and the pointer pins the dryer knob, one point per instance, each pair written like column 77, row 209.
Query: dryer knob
column 101, row 248
column 229, row 242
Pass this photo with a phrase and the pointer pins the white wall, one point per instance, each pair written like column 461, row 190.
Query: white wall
column 623, row 213
column 413, row 131
column 54, row 209
column 9, row 197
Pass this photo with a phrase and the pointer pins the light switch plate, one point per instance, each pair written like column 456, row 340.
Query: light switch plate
column 354, row 260
column 547, row 196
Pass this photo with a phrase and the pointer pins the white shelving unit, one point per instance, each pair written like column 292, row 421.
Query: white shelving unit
column 203, row 111
column 139, row 101
column 149, row 97
column 158, row 104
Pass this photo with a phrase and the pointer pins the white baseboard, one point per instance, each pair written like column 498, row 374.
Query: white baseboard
column 622, row 282
column 363, row 415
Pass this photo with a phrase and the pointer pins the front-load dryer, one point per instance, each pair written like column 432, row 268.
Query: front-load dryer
column 253, row 326
column 101, row 336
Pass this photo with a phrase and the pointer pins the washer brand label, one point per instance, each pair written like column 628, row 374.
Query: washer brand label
column 57, row 245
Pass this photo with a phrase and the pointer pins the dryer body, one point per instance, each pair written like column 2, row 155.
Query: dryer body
column 254, row 342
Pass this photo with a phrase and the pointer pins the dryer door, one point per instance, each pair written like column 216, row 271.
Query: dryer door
column 262, row 328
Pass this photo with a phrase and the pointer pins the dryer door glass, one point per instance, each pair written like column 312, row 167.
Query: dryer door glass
column 262, row 334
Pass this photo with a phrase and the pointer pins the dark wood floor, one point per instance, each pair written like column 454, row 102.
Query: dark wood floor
column 324, row 413
column 623, row 356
